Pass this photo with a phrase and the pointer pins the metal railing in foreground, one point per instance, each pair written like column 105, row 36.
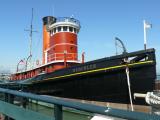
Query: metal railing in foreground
column 60, row 103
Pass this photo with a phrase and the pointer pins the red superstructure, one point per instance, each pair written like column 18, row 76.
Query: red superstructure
column 59, row 47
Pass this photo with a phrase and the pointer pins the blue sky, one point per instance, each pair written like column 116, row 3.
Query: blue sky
column 101, row 21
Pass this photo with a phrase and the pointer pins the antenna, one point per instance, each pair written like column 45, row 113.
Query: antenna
column 31, row 33
column 53, row 10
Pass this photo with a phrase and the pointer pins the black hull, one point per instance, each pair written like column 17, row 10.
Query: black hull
column 100, row 80
column 106, row 87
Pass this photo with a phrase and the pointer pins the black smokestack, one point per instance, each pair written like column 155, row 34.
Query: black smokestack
column 49, row 20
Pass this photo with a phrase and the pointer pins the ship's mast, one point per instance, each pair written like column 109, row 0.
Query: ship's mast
column 31, row 31
column 30, row 45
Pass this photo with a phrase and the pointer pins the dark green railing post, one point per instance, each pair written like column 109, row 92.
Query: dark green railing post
column 6, row 100
column 6, row 97
column 24, row 102
column 11, row 101
column 9, row 98
column 58, row 114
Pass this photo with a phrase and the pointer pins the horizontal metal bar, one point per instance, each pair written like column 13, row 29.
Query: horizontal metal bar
column 19, row 113
column 139, row 95
column 86, row 107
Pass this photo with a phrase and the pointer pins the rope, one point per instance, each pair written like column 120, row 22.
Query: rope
column 129, row 85
column 152, row 99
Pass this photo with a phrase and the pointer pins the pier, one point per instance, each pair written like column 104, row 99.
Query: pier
column 62, row 109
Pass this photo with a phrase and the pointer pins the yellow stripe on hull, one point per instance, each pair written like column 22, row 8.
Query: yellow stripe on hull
column 102, row 69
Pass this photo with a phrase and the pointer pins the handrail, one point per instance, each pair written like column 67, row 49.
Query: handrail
column 68, row 19
column 60, row 56
column 84, row 106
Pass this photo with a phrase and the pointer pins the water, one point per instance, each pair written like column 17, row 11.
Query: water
column 158, row 76
column 68, row 114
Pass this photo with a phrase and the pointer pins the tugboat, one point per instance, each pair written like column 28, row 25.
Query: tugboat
column 62, row 74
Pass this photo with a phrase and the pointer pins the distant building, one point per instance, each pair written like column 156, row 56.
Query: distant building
column 5, row 76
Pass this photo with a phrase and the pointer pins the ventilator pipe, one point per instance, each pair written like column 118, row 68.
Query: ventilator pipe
column 139, row 95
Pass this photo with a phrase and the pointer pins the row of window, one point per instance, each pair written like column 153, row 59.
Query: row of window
column 63, row 29
column 71, row 48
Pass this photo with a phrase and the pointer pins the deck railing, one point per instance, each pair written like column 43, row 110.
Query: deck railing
column 68, row 19
column 60, row 56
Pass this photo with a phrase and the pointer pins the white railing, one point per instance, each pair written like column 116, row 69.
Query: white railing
column 61, row 56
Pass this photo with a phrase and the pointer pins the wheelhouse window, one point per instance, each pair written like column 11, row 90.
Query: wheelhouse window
column 75, row 30
column 70, row 29
column 51, row 32
column 59, row 29
column 64, row 28
column 54, row 30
